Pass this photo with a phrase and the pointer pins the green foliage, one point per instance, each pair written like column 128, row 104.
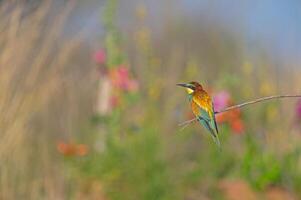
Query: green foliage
column 291, row 175
column 262, row 169
column 115, row 56
column 134, row 168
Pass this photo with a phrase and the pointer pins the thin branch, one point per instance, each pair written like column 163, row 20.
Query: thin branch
column 244, row 104
column 186, row 123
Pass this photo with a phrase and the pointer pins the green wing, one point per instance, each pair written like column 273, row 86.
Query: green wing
column 210, row 124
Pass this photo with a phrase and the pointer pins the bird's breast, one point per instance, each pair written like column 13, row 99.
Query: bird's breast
column 201, row 101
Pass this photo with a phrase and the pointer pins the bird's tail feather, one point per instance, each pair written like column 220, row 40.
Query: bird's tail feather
column 213, row 134
column 215, row 138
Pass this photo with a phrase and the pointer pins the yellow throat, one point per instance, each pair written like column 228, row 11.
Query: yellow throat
column 189, row 91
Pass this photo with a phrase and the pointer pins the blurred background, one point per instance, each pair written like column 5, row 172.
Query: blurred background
column 89, row 108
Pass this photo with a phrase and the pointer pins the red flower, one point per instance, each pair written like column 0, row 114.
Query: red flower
column 72, row 149
column 114, row 101
column 237, row 126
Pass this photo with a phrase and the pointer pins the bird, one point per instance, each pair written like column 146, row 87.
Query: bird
column 202, row 107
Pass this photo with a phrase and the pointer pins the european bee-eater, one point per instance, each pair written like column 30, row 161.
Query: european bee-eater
column 202, row 107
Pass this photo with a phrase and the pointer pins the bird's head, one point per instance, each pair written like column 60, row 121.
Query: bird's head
column 191, row 87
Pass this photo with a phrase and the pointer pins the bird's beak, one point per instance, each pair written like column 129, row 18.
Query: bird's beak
column 183, row 85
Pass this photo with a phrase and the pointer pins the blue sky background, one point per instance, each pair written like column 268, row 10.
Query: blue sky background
column 276, row 24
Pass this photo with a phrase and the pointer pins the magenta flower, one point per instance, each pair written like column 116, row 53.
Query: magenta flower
column 221, row 100
column 298, row 109
column 100, row 57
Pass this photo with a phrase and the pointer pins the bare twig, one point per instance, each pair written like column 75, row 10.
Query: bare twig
column 186, row 123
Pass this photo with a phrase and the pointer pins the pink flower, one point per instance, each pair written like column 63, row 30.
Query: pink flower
column 298, row 109
column 100, row 56
column 121, row 79
column 233, row 117
column 221, row 100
